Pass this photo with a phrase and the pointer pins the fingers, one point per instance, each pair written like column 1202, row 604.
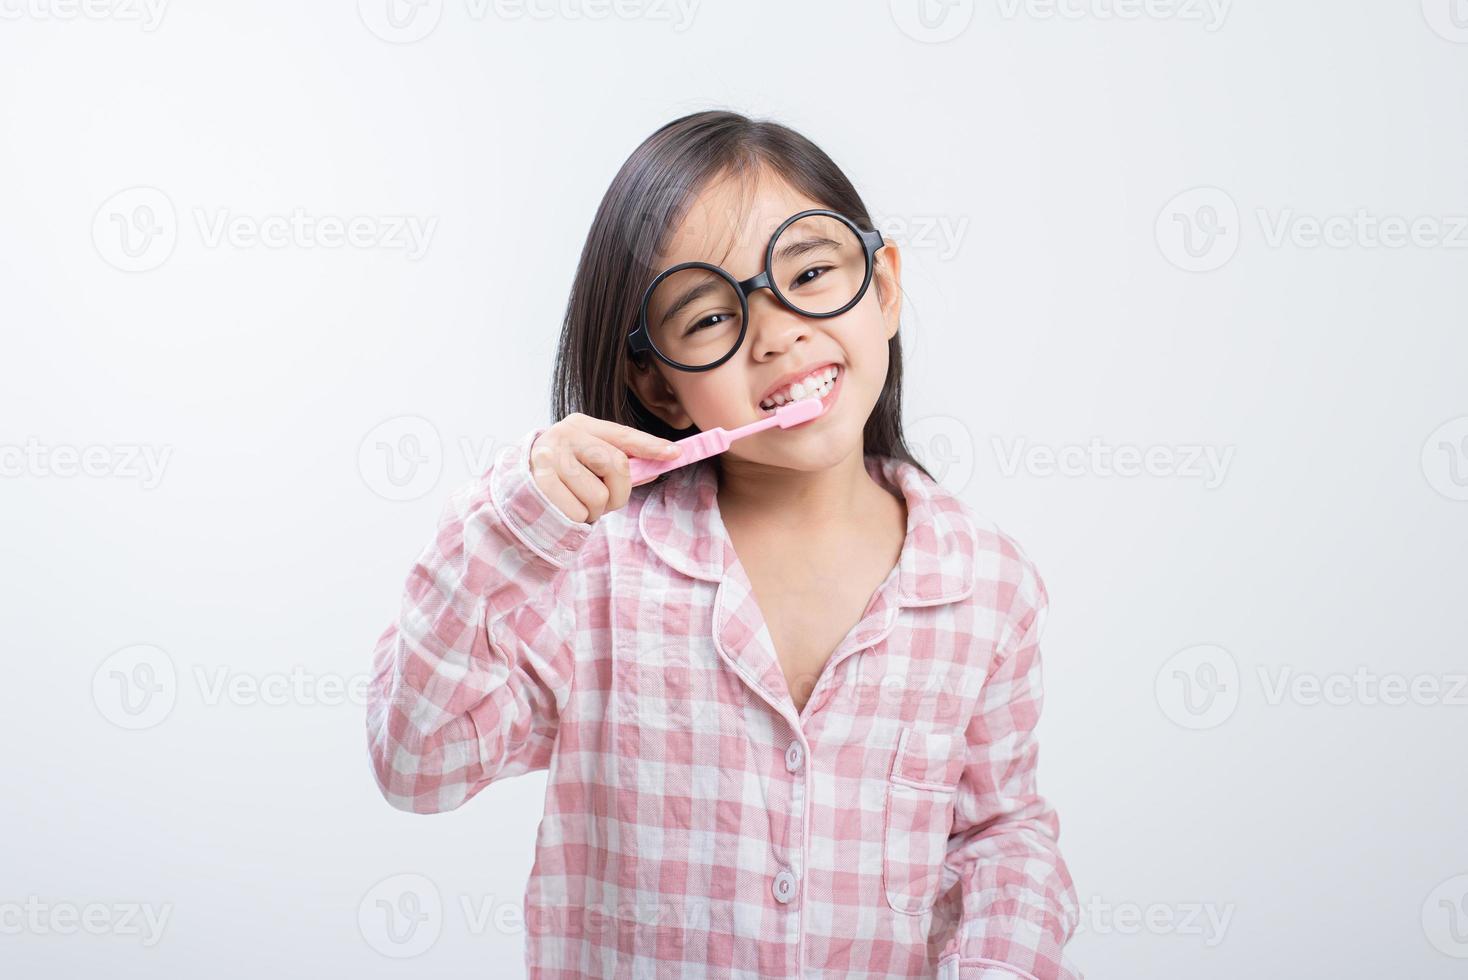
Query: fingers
column 583, row 468
column 566, row 481
column 545, row 470
column 588, row 469
column 609, row 464
column 566, row 502
column 633, row 442
column 589, row 489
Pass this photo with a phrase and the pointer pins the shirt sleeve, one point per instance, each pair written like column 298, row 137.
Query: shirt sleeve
column 469, row 681
column 1019, row 904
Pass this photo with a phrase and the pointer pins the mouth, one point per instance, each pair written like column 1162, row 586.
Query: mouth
column 824, row 381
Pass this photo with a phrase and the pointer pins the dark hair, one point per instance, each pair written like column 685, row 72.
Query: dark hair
column 641, row 208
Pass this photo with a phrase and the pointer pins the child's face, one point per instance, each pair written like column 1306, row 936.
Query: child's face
column 778, row 341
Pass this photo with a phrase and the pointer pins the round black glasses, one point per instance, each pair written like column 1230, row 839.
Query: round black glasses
column 694, row 315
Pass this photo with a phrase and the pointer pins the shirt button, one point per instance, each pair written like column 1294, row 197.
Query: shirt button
column 784, row 887
column 793, row 755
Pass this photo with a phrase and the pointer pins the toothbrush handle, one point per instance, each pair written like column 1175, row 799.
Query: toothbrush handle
column 691, row 450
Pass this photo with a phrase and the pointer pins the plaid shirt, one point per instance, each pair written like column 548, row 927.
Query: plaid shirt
column 696, row 824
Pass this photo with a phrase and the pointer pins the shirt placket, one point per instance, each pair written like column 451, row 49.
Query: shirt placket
column 746, row 647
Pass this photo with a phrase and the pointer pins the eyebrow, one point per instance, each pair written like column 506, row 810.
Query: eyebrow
column 795, row 250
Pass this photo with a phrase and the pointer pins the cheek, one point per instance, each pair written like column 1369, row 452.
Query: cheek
column 717, row 399
column 863, row 335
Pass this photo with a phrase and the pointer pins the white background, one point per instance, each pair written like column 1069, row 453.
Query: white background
column 1027, row 158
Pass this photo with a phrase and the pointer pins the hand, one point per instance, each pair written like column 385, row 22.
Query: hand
column 581, row 463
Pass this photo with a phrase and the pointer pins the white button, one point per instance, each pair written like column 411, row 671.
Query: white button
column 784, row 887
column 792, row 757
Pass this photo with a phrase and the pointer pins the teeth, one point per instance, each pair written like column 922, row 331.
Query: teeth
column 818, row 383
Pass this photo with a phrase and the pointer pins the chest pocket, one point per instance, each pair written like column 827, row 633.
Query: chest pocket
column 918, row 816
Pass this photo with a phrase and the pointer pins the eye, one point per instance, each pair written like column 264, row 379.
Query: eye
column 712, row 320
column 810, row 275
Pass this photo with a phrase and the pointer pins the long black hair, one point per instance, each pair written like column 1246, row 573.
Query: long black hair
column 642, row 207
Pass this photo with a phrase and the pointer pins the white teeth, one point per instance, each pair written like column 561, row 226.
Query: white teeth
column 818, row 383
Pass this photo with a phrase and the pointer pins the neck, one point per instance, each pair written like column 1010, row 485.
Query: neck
column 802, row 501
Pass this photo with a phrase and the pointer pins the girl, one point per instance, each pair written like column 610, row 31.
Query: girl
column 786, row 695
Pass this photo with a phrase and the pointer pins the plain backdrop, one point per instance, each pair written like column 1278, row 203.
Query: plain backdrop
column 1185, row 308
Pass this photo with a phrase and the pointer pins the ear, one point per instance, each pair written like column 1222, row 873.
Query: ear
column 651, row 388
column 887, row 271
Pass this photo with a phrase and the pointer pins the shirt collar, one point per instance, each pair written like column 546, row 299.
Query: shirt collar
column 681, row 524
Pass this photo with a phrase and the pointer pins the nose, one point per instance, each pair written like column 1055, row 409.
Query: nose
column 773, row 326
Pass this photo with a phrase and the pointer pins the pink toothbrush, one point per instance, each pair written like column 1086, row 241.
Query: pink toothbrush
column 716, row 440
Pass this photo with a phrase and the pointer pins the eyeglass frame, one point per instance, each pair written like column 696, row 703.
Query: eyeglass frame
column 640, row 339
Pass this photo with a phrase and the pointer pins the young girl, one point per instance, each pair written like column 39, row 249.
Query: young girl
column 786, row 695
